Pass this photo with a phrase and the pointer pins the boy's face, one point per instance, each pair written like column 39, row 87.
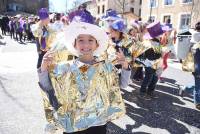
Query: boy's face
column 86, row 44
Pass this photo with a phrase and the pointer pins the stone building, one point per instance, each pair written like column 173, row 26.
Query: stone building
column 182, row 13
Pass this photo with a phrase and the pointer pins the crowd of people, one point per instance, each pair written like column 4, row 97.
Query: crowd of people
column 18, row 27
column 83, row 63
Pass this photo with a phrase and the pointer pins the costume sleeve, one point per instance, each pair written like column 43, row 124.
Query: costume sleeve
column 36, row 30
column 50, row 101
column 125, row 77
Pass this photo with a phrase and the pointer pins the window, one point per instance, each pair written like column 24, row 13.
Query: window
column 152, row 3
column 132, row 10
column 166, row 18
column 185, row 21
column 168, row 2
column 103, row 8
column 140, row 2
column 98, row 10
column 140, row 12
column 187, row 1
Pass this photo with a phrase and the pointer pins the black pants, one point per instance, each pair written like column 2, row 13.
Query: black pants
column 40, row 57
column 3, row 30
column 92, row 130
column 149, row 81
column 138, row 75
column 12, row 33
column 20, row 36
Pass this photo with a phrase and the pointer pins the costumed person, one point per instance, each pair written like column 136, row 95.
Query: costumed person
column 108, row 19
column 119, row 40
column 20, row 28
column 136, row 35
column 167, row 41
column 27, row 29
column 151, row 59
column 11, row 26
column 84, row 94
column 64, row 20
column 192, row 63
column 58, row 24
column 44, row 34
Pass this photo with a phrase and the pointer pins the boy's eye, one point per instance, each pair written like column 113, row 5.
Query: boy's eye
column 80, row 40
column 91, row 40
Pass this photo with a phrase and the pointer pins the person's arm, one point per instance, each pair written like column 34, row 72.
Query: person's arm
column 37, row 29
column 126, row 69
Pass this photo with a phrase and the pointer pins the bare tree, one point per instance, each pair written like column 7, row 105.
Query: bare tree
column 122, row 4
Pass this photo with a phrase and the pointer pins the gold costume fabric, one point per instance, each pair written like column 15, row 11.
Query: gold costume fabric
column 157, row 49
column 38, row 33
column 88, row 95
column 188, row 62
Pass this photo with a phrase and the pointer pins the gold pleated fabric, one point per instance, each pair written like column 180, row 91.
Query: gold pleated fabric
column 188, row 63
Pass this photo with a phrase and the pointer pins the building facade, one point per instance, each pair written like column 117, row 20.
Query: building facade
column 99, row 8
column 182, row 13
column 30, row 6
column 3, row 5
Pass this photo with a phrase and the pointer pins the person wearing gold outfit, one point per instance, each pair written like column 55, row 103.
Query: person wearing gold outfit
column 151, row 60
column 84, row 93
column 43, row 33
column 192, row 64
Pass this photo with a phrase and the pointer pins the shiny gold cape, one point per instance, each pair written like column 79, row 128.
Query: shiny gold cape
column 101, row 103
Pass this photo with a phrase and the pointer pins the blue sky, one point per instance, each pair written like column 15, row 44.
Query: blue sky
column 60, row 5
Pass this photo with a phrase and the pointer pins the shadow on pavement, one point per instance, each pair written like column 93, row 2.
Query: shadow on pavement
column 168, row 112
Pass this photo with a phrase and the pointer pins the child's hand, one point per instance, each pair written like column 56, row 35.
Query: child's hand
column 47, row 61
column 122, row 60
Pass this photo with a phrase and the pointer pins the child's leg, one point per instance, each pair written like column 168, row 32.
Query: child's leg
column 147, row 79
column 197, row 90
column 152, row 85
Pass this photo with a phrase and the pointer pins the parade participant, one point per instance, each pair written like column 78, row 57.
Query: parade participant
column 58, row 24
column 27, row 30
column 87, row 94
column 136, row 35
column 111, row 16
column 108, row 19
column 1, row 24
column 20, row 28
column 43, row 34
column 15, row 27
column 11, row 26
column 195, row 41
column 167, row 42
column 151, row 60
column 120, row 40
column 64, row 20
column 4, row 24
